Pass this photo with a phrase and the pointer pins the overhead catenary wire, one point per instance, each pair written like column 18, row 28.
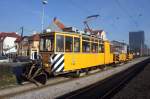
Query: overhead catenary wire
column 83, row 9
column 127, row 13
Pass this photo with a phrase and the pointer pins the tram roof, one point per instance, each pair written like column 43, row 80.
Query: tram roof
column 70, row 33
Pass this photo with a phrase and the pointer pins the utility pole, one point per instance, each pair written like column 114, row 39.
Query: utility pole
column 22, row 30
column 44, row 2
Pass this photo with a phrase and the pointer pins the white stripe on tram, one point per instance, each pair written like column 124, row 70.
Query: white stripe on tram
column 56, row 57
column 60, row 68
column 59, row 61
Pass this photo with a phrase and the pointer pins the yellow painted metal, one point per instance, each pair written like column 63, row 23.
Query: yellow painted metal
column 78, row 60
column 55, row 42
column 68, row 34
column 108, row 56
column 116, row 58
column 73, row 44
column 111, row 58
column 122, row 57
column 130, row 56
column 75, row 61
column 80, row 44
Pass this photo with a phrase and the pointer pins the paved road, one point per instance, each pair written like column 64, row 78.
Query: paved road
column 137, row 88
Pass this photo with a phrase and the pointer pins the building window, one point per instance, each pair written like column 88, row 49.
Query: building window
column 85, row 46
column 60, row 43
column 68, row 44
column 76, row 44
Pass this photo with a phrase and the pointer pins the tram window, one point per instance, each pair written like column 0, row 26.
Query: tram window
column 85, row 46
column 101, row 48
column 68, row 44
column 76, row 44
column 96, row 40
column 42, row 44
column 86, row 38
column 47, row 44
column 60, row 43
column 94, row 47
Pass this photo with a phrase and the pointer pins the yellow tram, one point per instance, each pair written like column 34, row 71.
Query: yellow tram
column 64, row 52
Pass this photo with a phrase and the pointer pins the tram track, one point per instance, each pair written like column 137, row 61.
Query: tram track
column 133, row 72
column 19, row 89
column 106, row 88
column 32, row 88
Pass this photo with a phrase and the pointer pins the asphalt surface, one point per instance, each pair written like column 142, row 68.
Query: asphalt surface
column 137, row 88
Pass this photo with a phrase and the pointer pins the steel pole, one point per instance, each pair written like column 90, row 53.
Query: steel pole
column 42, row 18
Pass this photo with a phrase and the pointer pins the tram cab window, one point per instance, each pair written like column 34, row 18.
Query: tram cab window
column 60, row 43
column 76, row 44
column 47, row 43
column 101, row 48
column 85, row 46
column 68, row 44
column 94, row 47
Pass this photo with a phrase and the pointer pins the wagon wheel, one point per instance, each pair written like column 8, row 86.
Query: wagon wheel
column 36, row 75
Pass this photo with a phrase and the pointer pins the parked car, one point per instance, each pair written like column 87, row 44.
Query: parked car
column 4, row 59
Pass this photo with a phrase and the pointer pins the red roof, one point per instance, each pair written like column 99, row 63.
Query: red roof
column 35, row 37
column 8, row 34
column 18, row 39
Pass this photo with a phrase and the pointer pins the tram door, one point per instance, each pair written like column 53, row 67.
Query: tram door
column 106, row 52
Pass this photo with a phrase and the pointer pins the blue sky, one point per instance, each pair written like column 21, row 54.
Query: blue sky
column 117, row 17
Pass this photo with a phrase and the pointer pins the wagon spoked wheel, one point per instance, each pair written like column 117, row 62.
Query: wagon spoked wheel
column 36, row 75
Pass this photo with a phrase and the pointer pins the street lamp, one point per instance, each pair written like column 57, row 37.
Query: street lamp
column 44, row 2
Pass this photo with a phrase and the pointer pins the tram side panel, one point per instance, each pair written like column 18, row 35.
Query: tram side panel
column 107, row 54
column 122, row 57
column 130, row 56
column 111, row 58
column 74, row 61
